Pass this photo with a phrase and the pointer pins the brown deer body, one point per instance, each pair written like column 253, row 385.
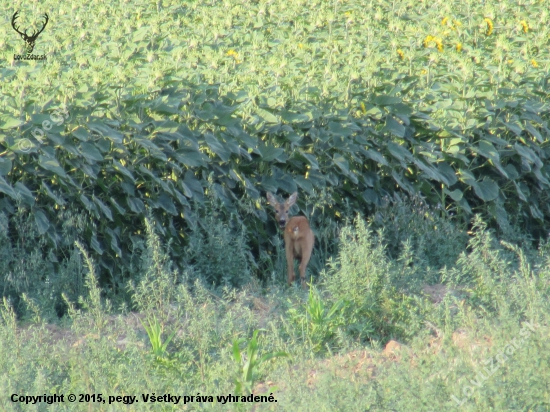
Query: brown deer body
column 299, row 237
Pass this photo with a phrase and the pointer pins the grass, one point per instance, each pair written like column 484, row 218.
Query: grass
column 479, row 343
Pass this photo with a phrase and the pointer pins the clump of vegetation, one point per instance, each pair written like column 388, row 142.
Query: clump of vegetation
column 188, row 337
column 136, row 252
column 209, row 117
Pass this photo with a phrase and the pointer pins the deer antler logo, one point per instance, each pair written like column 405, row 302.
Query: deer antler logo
column 30, row 40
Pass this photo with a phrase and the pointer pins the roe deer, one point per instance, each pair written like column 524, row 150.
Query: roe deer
column 298, row 236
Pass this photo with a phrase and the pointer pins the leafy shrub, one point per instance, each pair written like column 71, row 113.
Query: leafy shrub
column 433, row 239
column 30, row 266
column 218, row 250
column 361, row 276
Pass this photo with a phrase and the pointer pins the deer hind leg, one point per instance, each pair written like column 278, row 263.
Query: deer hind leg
column 290, row 261
column 306, row 255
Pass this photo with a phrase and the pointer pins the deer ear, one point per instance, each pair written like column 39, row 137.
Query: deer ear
column 292, row 199
column 271, row 199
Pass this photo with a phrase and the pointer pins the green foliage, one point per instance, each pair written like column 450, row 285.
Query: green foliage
column 498, row 278
column 30, row 267
column 218, row 248
column 152, row 156
column 484, row 267
column 463, row 127
column 361, row 276
column 93, row 306
column 410, row 227
column 321, row 325
column 493, row 289
column 157, row 280
column 154, row 332
column 248, row 365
